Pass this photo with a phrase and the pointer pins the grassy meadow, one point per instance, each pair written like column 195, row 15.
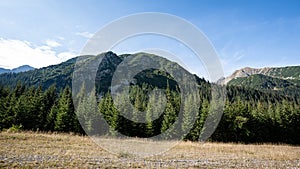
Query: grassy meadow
column 55, row 150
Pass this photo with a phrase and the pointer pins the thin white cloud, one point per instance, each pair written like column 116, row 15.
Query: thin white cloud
column 85, row 34
column 14, row 53
column 231, row 57
column 60, row 38
column 52, row 43
column 66, row 55
column 238, row 55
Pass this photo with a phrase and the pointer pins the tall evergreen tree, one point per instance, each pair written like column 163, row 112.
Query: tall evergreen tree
column 49, row 99
column 109, row 113
column 65, row 119
column 169, row 115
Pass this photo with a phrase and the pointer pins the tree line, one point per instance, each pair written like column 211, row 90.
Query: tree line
column 249, row 115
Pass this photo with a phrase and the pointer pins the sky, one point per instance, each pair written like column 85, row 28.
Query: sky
column 244, row 33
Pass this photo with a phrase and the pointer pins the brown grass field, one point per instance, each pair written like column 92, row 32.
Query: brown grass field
column 50, row 150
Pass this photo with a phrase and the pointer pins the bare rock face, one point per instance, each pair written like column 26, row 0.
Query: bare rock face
column 247, row 71
column 244, row 72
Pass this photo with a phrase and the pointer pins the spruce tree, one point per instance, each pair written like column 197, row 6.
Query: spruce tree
column 65, row 119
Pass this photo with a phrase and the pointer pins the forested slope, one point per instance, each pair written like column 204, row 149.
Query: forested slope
column 42, row 100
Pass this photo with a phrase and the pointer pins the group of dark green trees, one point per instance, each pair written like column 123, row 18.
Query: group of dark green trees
column 249, row 115
column 34, row 109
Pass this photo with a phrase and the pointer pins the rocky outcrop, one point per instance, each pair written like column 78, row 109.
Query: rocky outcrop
column 244, row 72
column 289, row 72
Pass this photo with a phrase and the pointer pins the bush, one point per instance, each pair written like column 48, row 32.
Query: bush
column 15, row 128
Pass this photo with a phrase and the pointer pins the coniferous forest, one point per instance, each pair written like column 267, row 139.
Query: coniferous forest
column 249, row 115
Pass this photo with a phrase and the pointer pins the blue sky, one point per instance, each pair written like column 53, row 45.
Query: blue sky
column 244, row 33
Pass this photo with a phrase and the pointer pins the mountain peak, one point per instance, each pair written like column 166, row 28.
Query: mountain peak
column 288, row 72
column 22, row 68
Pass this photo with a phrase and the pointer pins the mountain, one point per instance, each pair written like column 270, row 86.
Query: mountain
column 267, row 83
column 2, row 70
column 61, row 75
column 23, row 68
column 291, row 73
column 283, row 80
column 253, row 112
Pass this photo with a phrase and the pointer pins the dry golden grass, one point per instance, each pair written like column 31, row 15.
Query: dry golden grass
column 48, row 150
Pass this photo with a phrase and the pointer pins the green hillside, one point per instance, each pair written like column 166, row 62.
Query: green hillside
column 61, row 75
column 262, row 109
column 267, row 83
column 288, row 73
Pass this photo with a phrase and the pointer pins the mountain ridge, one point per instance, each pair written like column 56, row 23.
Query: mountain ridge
column 283, row 80
column 286, row 73
column 22, row 68
column 61, row 74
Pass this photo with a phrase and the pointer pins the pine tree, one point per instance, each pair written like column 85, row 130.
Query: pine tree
column 110, row 113
column 150, row 114
column 187, row 114
column 51, row 118
column 169, row 115
column 39, row 110
column 49, row 100
column 65, row 118
column 125, row 110
column 87, row 114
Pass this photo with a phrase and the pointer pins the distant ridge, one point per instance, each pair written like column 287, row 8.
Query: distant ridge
column 285, row 73
column 283, row 80
column 23, row 68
